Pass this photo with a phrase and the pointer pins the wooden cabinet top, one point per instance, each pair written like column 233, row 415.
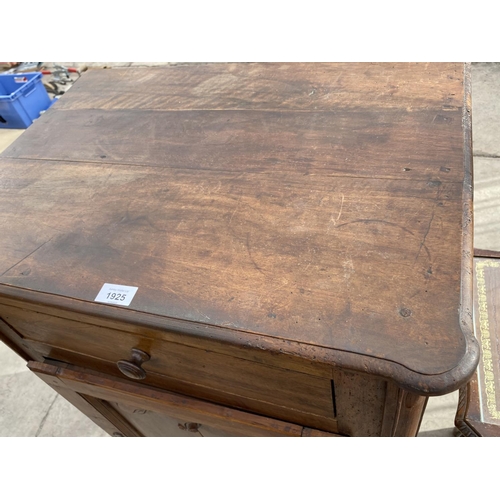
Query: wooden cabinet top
column 314, row 210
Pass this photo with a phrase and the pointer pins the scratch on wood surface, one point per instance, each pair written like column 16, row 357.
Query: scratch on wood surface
column 376, row 221
column 187, row 302
column 139, row 220
column 380, row 221
column 348, row 268
column 236, row 209
column 285, row 283
column 251, row 257
column 24, row 258
column 334, row 219
column 107, row 178
column 285, row 303
column 340, row 211
column 44, row 224
column 422, row 243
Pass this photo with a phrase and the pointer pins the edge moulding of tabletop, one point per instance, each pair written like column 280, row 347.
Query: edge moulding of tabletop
column 298, row 238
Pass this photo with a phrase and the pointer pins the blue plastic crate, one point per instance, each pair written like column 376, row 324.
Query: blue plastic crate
column 22, row 98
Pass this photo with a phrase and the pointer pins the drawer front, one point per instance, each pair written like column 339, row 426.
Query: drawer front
column 129, row 409
column 280, row 393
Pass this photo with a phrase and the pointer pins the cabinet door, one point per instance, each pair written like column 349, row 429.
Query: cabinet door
column 130, row 409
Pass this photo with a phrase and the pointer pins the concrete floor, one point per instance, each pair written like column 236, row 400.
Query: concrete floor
column 28, row 407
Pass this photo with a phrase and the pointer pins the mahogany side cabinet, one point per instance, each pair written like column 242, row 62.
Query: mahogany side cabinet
column 245, row 249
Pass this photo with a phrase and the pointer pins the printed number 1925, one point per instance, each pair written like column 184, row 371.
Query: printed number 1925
column 117, row 296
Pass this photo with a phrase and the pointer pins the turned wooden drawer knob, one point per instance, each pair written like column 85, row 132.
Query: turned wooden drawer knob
column 132, row 368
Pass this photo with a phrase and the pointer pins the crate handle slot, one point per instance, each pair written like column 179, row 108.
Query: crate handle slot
column 2, row 119
column 29, row 89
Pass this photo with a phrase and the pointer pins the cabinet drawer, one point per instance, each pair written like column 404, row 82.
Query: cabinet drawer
column 240, row 383
column 131, row 409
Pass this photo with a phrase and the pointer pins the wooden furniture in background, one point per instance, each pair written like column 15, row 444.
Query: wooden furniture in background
column 478, row 412
column 299, row 234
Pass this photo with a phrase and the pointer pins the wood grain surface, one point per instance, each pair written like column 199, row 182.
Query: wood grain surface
column 137, row 410
column 272, row 86
column 197, row 372
column 324, row 205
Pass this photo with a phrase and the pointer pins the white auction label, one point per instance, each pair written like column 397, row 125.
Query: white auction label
column 120, row 295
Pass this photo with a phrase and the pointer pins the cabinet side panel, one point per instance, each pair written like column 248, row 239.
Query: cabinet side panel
column 359, row 401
